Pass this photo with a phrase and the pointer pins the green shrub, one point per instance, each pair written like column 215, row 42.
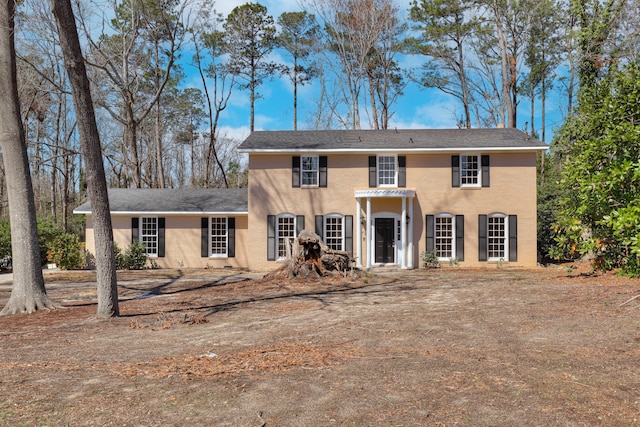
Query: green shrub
column 430, row 259
column 121, row 262
column 66, row 252
column 48, row 233
column 135, row 256
column 5, row 245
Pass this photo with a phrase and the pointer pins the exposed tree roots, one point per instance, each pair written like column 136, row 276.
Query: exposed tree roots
column 308, row 256
column 17, row 305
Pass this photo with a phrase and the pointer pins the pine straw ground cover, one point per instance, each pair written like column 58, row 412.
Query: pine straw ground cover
column 496, row 347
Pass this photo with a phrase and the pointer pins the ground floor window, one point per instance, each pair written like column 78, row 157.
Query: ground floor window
column 497, row 237
column 334, row 232
column 444, row 237
column 149, row 235
column 219, row 237
column 286, row 229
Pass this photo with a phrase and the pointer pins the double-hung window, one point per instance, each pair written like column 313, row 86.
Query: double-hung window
column 149, row 235
column 444, row 237
column 219, row 237
column 387, row 171
column 309, row 170
column 469, row 171
column 334, row 232
column 497, row 237
column 286, row 232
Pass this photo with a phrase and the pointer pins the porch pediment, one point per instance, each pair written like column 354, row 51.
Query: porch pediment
column 385, row 192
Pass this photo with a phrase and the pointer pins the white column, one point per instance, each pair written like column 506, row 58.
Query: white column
column 403, row 233
column 358, row 226
column 368, row 233
column 410, row 231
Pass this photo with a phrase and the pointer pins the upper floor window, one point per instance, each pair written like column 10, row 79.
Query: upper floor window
column 309, row 170
column 386, row 171
column 469, row 171
column 149, row 235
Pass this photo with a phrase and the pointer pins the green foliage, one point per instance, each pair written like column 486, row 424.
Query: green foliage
column 5, row 245
column 48, row 233
column 135, row 256
column 119, row 257
column 600, row 208
column 430, row 259
column 549, row 193
column 66, row 251
column 132, row 258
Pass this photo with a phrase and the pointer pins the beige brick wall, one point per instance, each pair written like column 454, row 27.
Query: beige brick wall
column 512, row 192
column 182, row 242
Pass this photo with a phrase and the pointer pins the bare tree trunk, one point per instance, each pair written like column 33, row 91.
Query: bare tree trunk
column 28, row 292
column 90, row 143
column 159, row 165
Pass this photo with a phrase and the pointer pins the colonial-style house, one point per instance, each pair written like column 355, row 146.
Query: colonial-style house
column 386, row 196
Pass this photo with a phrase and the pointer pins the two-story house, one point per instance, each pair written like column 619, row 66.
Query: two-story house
column 386, row 196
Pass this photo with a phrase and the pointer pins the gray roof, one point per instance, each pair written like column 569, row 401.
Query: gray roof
column 389, row 140
column 174, row 201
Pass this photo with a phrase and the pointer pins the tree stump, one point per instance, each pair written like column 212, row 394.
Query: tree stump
column 308, row 256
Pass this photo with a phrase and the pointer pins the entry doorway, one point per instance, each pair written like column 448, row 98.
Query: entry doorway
column 385, row 241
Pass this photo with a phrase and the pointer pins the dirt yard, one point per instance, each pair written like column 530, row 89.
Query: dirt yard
column 446, row 347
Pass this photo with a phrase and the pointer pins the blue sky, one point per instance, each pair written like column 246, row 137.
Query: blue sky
column 417, row 108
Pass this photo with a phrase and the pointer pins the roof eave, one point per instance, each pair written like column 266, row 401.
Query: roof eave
column 387, row 150
column 168, row 213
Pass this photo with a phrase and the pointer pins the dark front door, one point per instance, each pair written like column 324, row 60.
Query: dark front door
column 385, row 242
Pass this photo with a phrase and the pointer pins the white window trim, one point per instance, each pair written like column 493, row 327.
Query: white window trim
column 211, row 254
column 453, row 234
column 479, row 170
column 302, row 171
column 342, row 230
column 140, row 235
column 395, row 177
column 295, row 225
column 505, row 255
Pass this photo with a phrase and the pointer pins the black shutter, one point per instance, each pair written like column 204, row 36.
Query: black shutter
column 373, row 174
column 161, row 237
column 231, row 237
column 460, row 237
column 348, row 234
column 429, row 231
column 204, row 237
column 402, row 171
column 135, row 230
column 482, row 237
column 485, row 171
column 299, row 224
column 322, row 178
column 455, row 171
column 513, row 237
column 319, row 224
column 271, row 238
column 295, row 171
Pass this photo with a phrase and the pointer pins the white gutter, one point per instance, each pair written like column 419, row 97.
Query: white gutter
column 386, row 150
column 181, row 213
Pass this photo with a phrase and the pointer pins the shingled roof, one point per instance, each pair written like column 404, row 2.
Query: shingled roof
column 209, row 201
column 389, row 140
